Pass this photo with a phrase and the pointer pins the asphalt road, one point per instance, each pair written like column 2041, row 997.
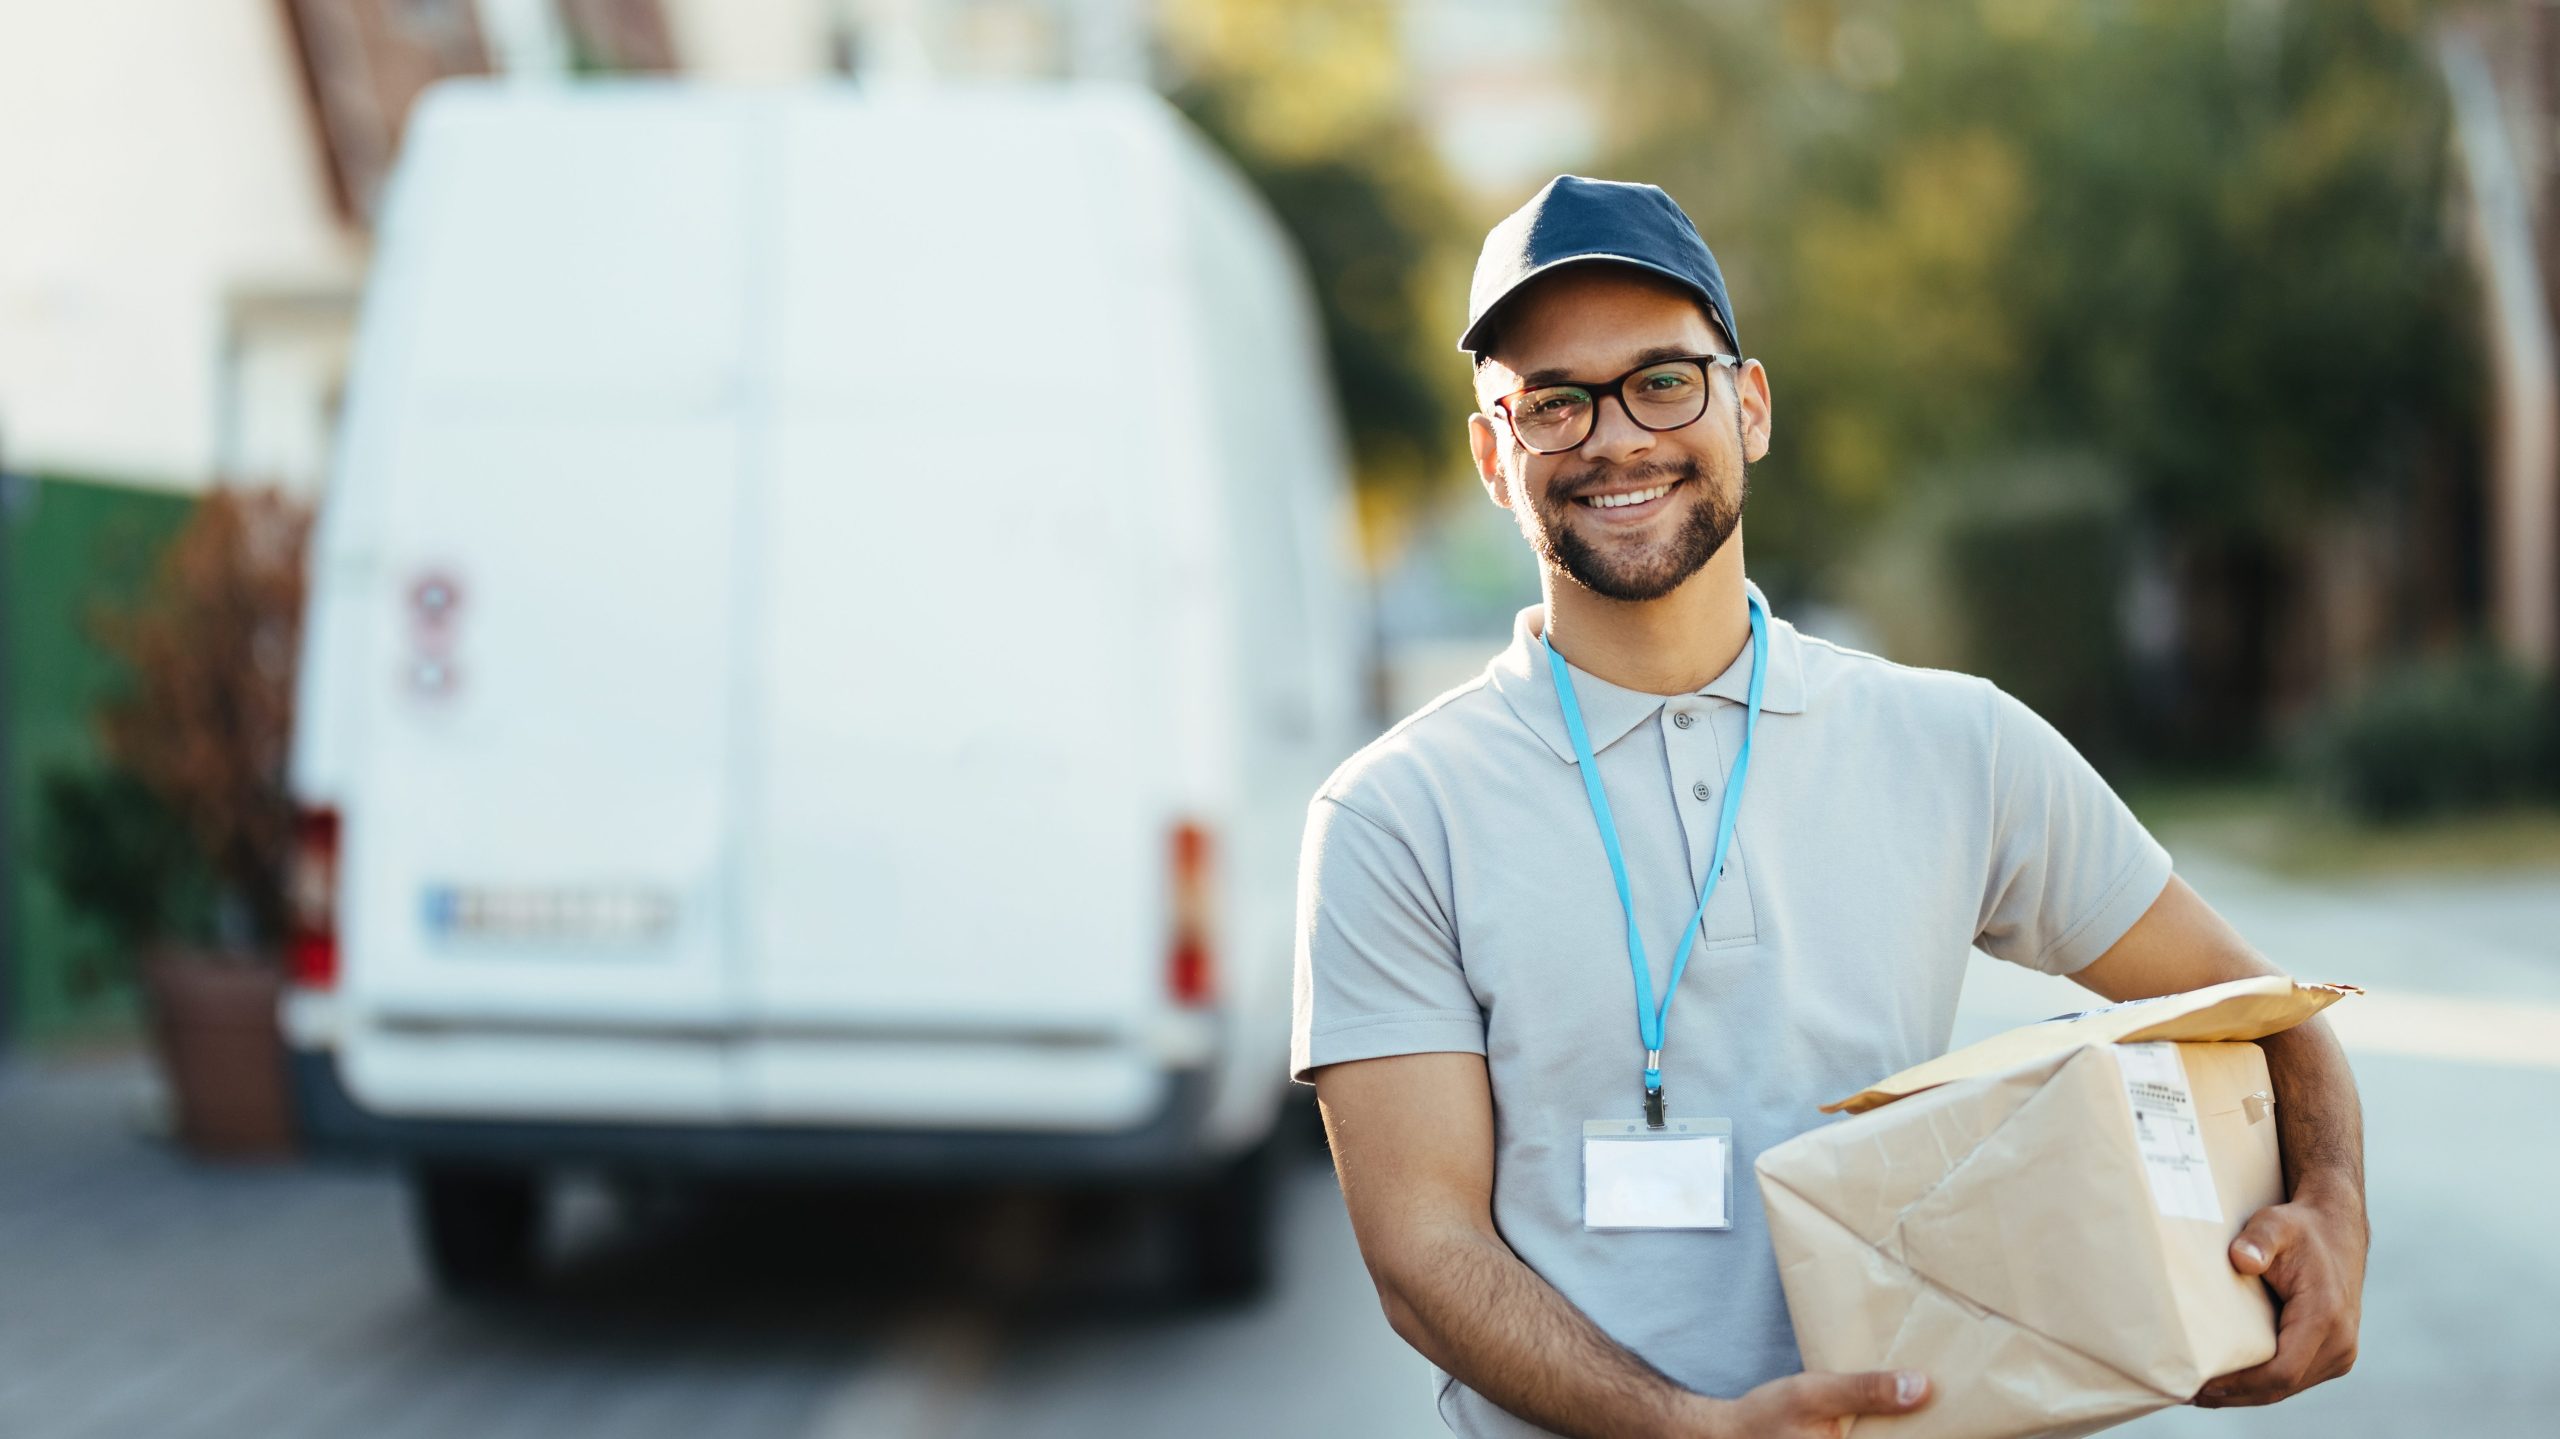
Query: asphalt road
column 141, row 1295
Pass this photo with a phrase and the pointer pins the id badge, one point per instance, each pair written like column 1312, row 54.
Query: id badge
column 1677, row 1177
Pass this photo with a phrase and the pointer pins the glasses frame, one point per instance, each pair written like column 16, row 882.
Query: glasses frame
column 1615, row 389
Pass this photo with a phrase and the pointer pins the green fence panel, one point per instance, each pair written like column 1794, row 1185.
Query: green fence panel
column 76, row 547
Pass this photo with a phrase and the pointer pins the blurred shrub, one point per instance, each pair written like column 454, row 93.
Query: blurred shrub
column 2464, row 733
column 203, row 728
column 119, row 855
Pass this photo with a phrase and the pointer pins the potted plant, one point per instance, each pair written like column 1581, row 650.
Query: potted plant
column 180, row 845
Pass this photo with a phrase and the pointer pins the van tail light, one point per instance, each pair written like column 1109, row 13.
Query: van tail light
column 1191, row 971
column 311, row 944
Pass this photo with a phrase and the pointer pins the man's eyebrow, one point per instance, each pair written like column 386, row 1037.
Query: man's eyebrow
column 1654, row 355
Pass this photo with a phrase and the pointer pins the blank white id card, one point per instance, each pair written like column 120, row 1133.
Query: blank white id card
column 1677, row 1177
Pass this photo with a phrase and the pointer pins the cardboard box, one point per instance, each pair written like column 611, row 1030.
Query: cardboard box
column 2041, row 1222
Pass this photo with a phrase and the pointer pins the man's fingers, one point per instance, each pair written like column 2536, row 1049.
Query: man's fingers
column 2303, row 1358
column 2283, row 1376
column 1882, row 1391
column 2292, row 1247
column 2265, row 1384
column 2268, row 1234
column 2268, row 1382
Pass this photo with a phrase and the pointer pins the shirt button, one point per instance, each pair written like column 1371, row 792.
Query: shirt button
column 1699, row 789
column 1684, row 719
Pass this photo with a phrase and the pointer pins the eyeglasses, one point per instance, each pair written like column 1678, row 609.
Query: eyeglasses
column 1660, row 395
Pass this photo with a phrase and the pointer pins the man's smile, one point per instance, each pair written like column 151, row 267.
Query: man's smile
column 1630, row 504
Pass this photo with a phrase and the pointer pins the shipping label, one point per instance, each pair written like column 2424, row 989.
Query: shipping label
column 2166, row 1133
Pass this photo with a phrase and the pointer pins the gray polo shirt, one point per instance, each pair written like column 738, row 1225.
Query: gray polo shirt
column 1453, row 896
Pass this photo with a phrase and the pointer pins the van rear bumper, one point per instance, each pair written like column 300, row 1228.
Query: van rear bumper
column 1165, row 1147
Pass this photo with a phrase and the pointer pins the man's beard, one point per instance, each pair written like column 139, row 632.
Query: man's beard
column 1651, row 573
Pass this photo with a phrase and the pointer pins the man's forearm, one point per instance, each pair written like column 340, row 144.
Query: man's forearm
column 1469, row 1304
column 2318, row 1117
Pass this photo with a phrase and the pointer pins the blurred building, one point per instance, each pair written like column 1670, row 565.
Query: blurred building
column 175, row 177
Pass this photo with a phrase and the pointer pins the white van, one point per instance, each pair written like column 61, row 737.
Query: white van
column 826, row 617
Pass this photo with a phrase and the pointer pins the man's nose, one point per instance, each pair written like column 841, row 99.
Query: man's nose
column 1614, row 433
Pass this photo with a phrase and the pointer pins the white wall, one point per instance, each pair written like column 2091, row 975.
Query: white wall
column 154, row 155
column 753, row 41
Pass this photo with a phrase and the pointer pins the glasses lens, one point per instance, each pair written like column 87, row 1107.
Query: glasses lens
column 1667, row 396
column 1554, row 418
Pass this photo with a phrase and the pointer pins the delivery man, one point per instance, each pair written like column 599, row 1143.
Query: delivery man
column 1661, row 791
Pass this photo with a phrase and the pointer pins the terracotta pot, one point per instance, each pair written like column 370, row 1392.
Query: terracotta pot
column 213, row 1021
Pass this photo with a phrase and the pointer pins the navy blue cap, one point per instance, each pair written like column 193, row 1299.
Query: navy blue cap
column 1575, row 221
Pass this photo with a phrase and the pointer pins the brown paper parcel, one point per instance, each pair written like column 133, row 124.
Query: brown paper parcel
column 2011, row 1229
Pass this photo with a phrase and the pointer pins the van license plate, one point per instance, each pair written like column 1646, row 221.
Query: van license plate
column 588, row 914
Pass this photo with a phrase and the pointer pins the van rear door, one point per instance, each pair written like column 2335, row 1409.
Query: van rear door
column 538, row 883
column 961, row 815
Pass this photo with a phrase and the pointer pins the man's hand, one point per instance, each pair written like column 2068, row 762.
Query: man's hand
column 2311, row 1253
column 2311, row 1249
column 1817, row 1406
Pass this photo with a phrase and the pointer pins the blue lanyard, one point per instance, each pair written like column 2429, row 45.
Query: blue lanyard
column 1650, row 1015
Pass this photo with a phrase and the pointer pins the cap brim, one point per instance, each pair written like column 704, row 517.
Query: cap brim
column 1467, row 342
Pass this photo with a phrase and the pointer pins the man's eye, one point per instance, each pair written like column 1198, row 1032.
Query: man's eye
column 1557, row 404
column 1667, row 380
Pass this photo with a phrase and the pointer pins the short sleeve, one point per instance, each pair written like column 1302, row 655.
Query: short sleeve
column 1377, row 955
column 2070, row 868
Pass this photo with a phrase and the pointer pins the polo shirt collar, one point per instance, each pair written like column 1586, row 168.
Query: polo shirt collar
column 1609, row 712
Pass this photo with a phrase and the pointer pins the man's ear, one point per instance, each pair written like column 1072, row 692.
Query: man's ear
column 1751, row 391
column 1485, row 441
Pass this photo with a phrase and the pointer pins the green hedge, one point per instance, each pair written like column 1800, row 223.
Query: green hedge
column 2462, row 733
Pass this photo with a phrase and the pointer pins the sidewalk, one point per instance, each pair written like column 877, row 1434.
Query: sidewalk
column 142, row 1294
